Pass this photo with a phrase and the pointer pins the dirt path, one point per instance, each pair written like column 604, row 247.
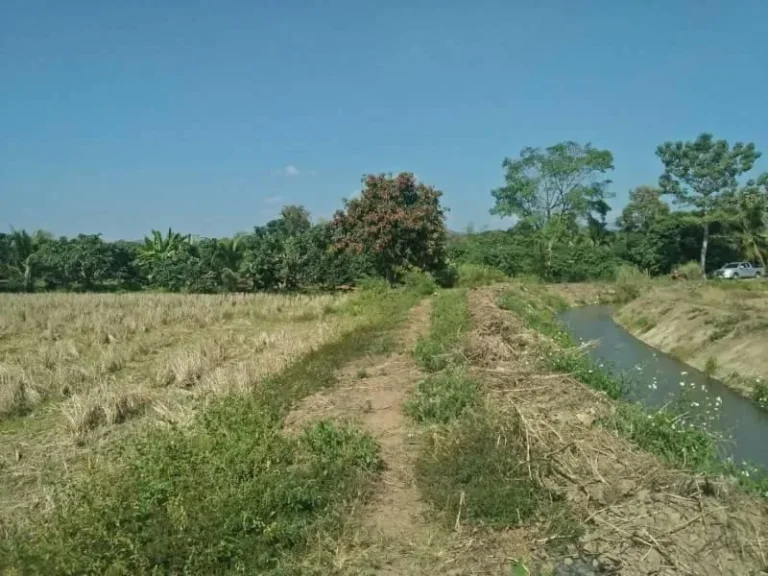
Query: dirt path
column 372, row 392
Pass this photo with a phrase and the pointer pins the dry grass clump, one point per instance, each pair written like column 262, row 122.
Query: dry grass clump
column 75, row 368
column 17, row 393
column 639, row 515
column 102, row 407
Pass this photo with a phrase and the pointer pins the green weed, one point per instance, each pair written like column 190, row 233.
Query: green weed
column 443, row 397
column 630, row 283
column 760, row 393
column 476, row 470
column 563, row 356
column 232, row 494
column 665, row 433
column 420, row 282
column 710, row 367
column 475, row 275
column 450, row 319
column 643, row 323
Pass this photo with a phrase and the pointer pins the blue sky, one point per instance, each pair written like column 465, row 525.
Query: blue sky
column 120, row 117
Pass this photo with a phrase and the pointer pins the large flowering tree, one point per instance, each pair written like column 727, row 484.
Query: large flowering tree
column 396, row 222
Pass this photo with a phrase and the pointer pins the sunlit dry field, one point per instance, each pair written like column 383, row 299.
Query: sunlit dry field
column 80, row 370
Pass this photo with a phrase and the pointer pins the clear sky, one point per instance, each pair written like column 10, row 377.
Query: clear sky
column 122, row 116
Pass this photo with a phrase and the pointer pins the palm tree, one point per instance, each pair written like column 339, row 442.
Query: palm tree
column 158, row 247
column 229, row 253
column 750, row 219
column 25, row 247
column 228, row 257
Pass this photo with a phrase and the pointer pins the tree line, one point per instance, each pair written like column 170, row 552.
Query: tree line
column 559, row 197
column 395, row 225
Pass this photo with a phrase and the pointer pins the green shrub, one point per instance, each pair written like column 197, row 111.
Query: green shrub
column 447, row 276
column 688, row 271
column 760, row 393
column 576, row 363
column 419, row 282
column 442, row 398
column 475, row 275
column 710, row 367
column 630, row 283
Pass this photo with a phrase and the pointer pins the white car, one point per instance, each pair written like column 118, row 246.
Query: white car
column 735, row 270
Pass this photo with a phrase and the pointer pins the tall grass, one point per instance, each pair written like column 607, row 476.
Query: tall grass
column 631, row 282
column 475, row 275
column 450, row 320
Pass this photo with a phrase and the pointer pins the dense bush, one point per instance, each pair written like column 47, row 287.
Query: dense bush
column 688, row 271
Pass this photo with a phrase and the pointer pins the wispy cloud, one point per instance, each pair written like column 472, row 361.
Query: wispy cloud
column 271, row 200
column 291, row 170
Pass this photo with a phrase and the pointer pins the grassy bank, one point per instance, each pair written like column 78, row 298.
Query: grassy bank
column 230, row 491
column 689, row 447
column 469, row 467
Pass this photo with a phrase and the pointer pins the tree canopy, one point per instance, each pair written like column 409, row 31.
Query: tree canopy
column 703, row 174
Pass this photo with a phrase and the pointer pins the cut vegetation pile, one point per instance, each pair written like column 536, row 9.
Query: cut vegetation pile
column 636, row 514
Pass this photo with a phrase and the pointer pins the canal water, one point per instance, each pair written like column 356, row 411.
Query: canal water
column 655, row 379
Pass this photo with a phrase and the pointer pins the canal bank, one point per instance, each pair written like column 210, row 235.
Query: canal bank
column 656, row 380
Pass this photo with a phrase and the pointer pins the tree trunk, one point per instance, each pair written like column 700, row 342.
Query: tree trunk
column 704, row 243
column 29, row 280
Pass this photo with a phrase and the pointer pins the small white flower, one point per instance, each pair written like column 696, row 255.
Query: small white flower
column 682, row 384
column 719, row 400
column 683, row 373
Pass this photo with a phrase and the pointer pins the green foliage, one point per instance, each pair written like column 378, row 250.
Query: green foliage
column 703, row 174
column 443, row 397
column 476, row 275
column 666, row 434
column 475, row 469
column 688, row 271
column 420, row 282
column 558, row 183
column 710, row 367
column 450, row 319
column 630, row 283
column 233, row 493
column 760, row 393
column 396, row 225
column 516, row 253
